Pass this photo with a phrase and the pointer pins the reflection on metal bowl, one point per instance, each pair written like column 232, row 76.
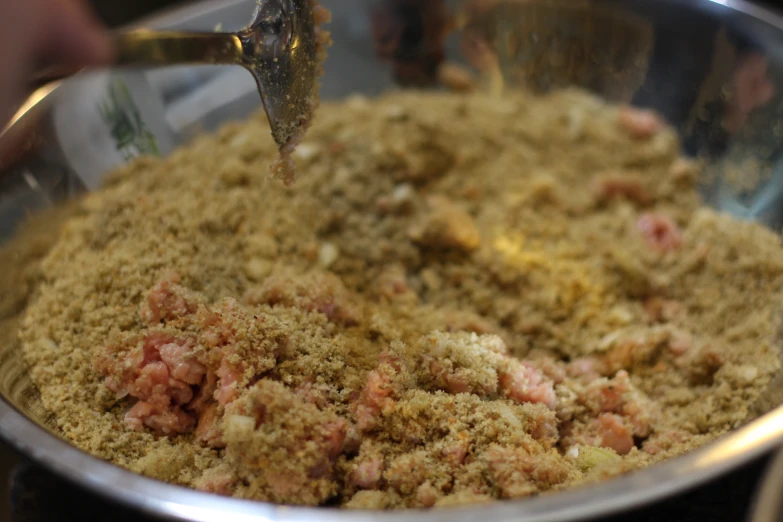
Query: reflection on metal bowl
column 768, row 506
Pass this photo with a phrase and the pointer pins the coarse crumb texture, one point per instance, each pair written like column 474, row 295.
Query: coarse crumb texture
column 462, row 299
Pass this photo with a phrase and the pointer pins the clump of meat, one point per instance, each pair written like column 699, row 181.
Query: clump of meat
column 180, row 377
column 660, row 232
column 158, row 369
column 612, row 412
column 608, row 187
column 469, row 363
column 461, row 363
column 368, row 469
column 392, row 284
column 654, row 348
column 524, row 382
column 315, row 291
column 517, row 472
column 425, row 440
column 283, row 446
column 384, row 385
column 167, row 301
column 243, row 346
column 665, row 441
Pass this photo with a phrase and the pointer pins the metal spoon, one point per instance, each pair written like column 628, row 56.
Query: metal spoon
column 282, row 49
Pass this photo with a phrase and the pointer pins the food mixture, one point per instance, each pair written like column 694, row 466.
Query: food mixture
column 461, row 299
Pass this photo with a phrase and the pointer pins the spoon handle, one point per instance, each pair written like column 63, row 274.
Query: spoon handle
column 146, row 48
column 153, row 48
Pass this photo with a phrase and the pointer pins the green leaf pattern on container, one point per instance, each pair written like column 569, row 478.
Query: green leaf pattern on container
column 119, row 112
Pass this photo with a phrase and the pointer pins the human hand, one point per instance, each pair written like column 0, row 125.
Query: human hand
column 35, row 34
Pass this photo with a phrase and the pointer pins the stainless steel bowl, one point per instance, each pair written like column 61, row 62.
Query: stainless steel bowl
column 698, row 62
column 768, row 505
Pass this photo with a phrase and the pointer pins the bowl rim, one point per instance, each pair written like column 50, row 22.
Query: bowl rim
column 179, row 503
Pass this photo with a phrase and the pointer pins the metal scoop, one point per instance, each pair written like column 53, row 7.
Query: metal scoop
column 282, row 49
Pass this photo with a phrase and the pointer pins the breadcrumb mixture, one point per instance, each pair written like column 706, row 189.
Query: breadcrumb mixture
column 462, row 299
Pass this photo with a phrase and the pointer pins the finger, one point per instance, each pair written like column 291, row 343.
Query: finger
column 74, row 36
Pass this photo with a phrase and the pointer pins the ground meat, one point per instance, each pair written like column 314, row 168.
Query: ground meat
column 463, row 298
column 608, row 187
column 665, row 441
column 316, row 291
column 587, row 368
column 218, row 480
column 524, row 383
column 613, row 414
column 168, row 301
column 470, row 322
column 383, row 386
column 461, row 363
column 663, row 310
column 619, row 396
column 157, row 369
column 517, row 473
column 660, row 232
column 368, row 472
column 392, row 284
column 280, row 447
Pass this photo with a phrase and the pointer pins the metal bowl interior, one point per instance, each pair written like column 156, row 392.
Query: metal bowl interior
column 768, row 505
column 683, row 58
